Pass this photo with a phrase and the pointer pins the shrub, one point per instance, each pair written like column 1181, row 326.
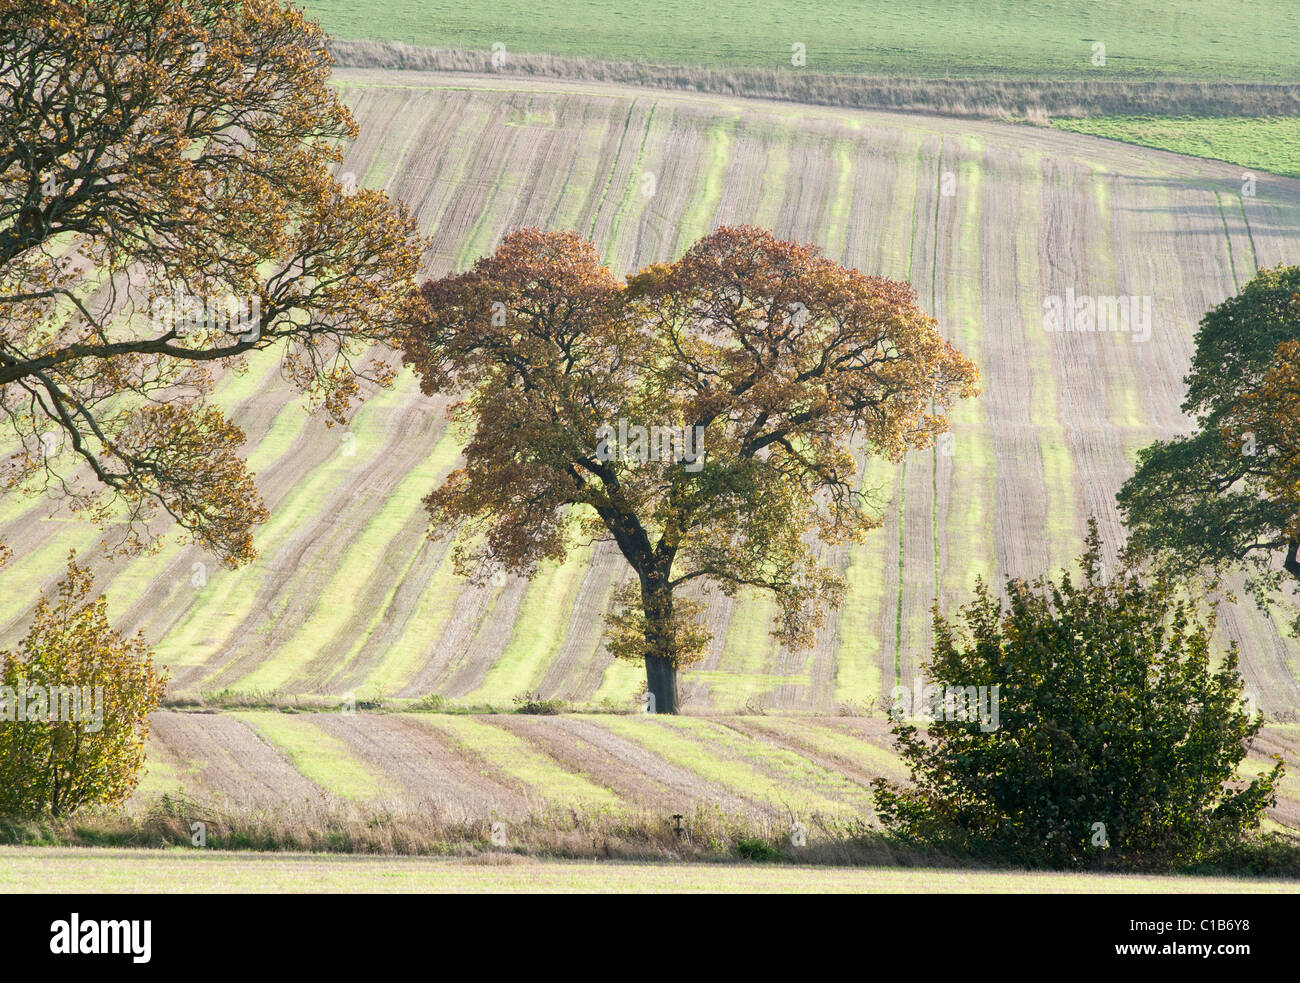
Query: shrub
column 760, row 851
column 74, row 707
column 1115, row 741
column 533, row 703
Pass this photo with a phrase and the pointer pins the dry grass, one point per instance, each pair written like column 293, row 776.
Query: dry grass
column 1031, row 101
column 708, row 834
column 228, row 699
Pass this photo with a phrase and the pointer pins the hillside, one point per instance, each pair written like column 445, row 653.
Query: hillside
column 348, row 595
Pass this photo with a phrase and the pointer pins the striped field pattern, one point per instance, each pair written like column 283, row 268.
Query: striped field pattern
column 985, row 219
column 511, row 766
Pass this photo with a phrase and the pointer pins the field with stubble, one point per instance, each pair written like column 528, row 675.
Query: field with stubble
column 466, row 768
column 985, row 219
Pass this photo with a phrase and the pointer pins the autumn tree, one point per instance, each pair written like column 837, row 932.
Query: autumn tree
column 1109, row 730
column 75, row 699
column 168, row 206
column 703, row 415
column 1227, row 496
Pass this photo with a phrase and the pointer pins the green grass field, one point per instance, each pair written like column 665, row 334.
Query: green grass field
column 1186, row 39
column 62, row 870
column 1257, row 144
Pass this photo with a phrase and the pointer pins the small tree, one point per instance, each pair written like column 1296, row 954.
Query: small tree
column 703, row 416
column 74, row 707
column 1114, row 737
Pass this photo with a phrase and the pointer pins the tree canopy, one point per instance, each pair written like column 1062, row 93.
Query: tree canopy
column 1227, row 495
column 167, row 207
column 703, row 415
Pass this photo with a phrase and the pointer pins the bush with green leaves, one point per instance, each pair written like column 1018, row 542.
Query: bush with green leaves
column 75, row 699
column 1118, row 736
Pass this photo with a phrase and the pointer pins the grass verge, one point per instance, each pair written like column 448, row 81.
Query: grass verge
column 1257, row 143
column 707, row 835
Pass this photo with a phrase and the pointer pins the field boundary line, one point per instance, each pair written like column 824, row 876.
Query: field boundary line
column 981, row 98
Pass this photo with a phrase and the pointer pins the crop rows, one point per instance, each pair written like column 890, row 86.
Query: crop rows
column 511, row 765
column 986, row 220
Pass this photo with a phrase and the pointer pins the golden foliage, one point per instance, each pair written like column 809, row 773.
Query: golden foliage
column 60, row 765
column 1265, row 426
column 632, row 622
column 780, row 363
column 168, row 205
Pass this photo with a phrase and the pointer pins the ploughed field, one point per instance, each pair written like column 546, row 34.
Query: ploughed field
column 512, row 766
column 987, row 220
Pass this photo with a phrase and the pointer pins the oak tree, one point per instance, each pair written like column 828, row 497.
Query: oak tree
column 1225, row 497
column 704, row 415
column 168, row 206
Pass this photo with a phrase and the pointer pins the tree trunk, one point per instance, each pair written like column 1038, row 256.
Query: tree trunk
column 661, row 654
column 661, row 681
column 1293, row 559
